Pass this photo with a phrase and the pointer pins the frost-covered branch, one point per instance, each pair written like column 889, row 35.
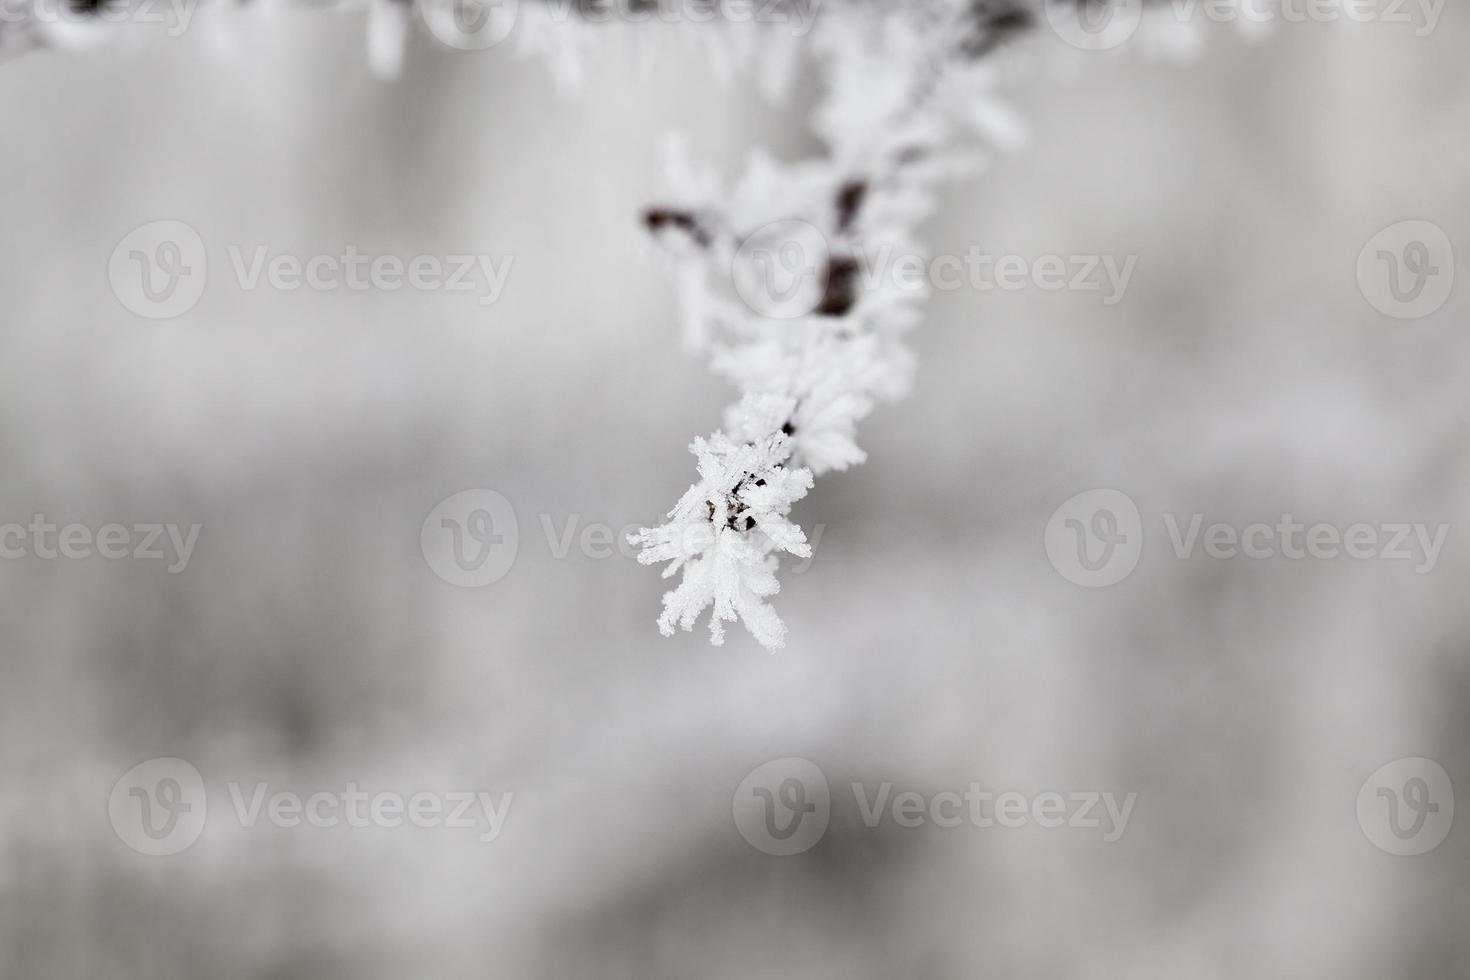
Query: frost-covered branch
column 773, row 276
column 770, row 279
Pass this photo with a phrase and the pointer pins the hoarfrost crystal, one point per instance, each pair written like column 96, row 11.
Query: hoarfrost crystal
column 724, row 532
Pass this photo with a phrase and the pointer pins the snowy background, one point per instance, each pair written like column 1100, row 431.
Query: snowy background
column 308, row 643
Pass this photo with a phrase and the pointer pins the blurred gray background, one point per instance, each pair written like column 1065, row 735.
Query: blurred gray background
column 308, row 643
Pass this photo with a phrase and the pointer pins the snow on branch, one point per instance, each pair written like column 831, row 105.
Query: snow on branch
column 771, row 282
